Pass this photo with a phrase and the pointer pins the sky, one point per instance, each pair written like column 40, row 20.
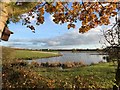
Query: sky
column 53, row 36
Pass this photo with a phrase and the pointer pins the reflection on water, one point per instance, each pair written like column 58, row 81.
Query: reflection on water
column 87, row 57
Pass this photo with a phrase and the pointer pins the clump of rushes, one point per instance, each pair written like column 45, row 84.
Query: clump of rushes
column 58, row 64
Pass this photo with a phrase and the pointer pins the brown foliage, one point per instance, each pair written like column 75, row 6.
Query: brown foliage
column 91, row 14
column 57, row 64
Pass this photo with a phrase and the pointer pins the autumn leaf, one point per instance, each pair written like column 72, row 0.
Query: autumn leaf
column 71, row 26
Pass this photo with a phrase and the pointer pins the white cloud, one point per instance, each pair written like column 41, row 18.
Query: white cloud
column 31, row 19
column 72, row 39
column 51, row 18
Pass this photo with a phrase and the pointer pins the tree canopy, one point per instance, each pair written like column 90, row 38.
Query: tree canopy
column 91, row 14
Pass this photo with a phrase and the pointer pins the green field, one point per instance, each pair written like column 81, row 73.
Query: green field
column 28, row 55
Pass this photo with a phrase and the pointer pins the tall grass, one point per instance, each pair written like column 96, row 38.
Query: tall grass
column 57, row 64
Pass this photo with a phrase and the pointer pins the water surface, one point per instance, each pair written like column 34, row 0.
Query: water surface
column 86, row 57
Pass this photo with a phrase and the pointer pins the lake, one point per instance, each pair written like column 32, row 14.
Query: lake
column 86, row 57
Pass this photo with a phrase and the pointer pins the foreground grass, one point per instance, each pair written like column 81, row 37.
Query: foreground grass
column 28, row 55
column 98, row 76
column 17, row 74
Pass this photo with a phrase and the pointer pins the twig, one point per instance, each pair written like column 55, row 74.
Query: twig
column 101, row 5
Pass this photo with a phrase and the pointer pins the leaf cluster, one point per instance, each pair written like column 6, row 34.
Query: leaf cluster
column 91, row 14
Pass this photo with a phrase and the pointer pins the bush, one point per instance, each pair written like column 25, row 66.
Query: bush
column 34, row 64
column 19, row 63
column 101, row 62
column 20, row 77
column 93, row 63
column 17, row 75
column 63, row 65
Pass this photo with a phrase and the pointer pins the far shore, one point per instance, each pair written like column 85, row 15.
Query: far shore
column 30, row 55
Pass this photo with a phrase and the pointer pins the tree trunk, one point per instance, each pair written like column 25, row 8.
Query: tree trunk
column 4, row 15
column 117, row 77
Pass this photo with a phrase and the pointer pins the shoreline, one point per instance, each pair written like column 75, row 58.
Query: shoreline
column 33, row 58
column 30, row 55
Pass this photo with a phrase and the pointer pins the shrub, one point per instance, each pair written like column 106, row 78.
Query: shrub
column 22, row 78
column 19, row 63
column 101, row 62
column 55, row 64
column 34, row 64
column 93, row 63
column 58, row 64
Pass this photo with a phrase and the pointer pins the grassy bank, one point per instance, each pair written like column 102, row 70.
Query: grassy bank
column 29, row 55
column 94, row 76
